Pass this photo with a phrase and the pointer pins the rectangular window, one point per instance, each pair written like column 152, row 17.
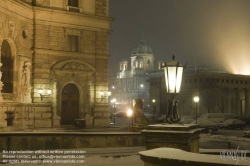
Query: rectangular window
column 72, row 43
column 73, row 3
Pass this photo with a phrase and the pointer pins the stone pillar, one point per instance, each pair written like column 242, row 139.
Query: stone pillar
column 56, row 120
column 101, row 115
column 238, row 102
column 185, row 137
column 247, row 109
column 228, row 96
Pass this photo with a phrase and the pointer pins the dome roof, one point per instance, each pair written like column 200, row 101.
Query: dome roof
column 139, row 57
column 142, row 48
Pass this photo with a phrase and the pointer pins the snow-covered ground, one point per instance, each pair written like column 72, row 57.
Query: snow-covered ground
column 226, row 137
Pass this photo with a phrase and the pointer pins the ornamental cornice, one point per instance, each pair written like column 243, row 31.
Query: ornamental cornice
column 70, row 54
column 71, row 18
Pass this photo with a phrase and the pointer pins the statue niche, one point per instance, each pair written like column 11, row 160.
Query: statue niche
column 139, row 117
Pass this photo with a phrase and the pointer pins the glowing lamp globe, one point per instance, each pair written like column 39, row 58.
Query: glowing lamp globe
column 173, row 76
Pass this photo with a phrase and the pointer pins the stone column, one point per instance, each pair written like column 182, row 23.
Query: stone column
column 238, row 102
column 247, row 111
column 228, row 96
column 185, row 137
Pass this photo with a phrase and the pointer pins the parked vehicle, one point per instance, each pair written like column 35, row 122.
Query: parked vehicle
column 233, row 123
column 185, row 117
column 121, row 114
column 246, row 118
column 217, row 117
column 207, row 125
column 246, row 133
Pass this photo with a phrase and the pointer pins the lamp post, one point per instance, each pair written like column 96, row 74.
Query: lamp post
column 196, row 100
column 114, row 100
column 154, row 109
column 130, row 115
column 173, row 75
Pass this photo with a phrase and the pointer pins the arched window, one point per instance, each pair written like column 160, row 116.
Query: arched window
column 148, row 62
column 7, row 67
column 141, row 64
column 125, row 67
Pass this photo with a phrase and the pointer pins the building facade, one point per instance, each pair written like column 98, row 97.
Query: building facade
column 219, row 92
column 54, row 63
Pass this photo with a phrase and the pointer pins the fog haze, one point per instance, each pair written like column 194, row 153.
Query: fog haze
column 212, row 32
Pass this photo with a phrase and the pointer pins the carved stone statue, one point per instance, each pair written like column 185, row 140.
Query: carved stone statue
column 25, row 79
column 139, row 116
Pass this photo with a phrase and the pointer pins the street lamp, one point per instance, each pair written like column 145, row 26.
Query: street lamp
column 139, row 90
column 114, row 100
column 154, row 109
column 130, row 115
column 173, row 75
column 196, row 100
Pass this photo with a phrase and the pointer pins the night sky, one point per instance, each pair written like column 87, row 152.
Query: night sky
column 212, row 32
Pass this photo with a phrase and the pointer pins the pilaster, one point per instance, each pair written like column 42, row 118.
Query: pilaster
column 247, row 111
column 238, row 102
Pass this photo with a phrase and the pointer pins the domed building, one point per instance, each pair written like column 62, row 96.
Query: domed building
column 131, row 83
column 142, row 61
column 142, row 57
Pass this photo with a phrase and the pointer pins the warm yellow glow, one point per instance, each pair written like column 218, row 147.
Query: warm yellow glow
column 173, row 79
column 153, row 100
column 49, row 91
column 109, row 93
column 232, row 46
column 196, row 99
column 129, row 113
column 40, row 91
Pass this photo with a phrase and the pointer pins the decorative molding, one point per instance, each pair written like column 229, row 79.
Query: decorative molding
column 73, row 66
column 8, row 96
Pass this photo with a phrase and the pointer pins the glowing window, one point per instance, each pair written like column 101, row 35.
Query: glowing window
column 7, row 68
column 141, row 64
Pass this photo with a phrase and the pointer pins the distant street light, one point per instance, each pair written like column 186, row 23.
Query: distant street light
column 130, row 115
column 114, row 100
column 196, row 100
column 154, row 109
column 141, row 85
column 173, row 75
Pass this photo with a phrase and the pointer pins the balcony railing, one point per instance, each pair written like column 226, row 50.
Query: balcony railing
column 74, row 9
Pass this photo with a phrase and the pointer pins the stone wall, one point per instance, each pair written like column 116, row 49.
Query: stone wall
column 25, row 116
column 101, row 7
column 40, row 141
